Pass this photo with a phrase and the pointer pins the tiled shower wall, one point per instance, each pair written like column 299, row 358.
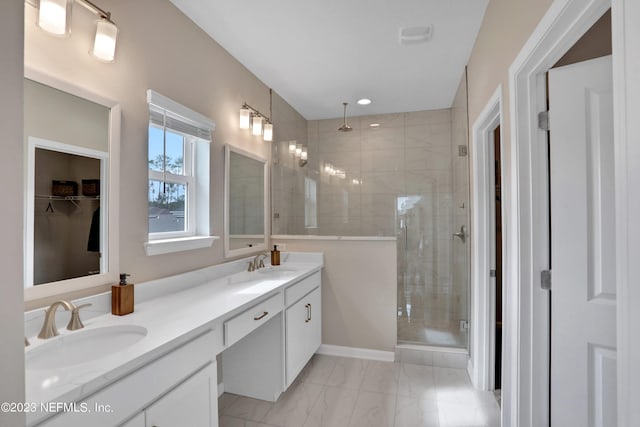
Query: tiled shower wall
column 408, row 154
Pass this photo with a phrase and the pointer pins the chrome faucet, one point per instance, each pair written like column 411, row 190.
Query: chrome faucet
column 49, row 328
column 257, row 262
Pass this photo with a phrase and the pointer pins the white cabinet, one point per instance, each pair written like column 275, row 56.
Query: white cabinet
column 140, row 390
column 303, row 330
column 193, row 403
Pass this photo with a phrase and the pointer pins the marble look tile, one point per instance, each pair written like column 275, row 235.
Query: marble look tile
column 451, row 379
column 227, row 421
column 428, row 158
column 416, row 381
column 428, row 135
column 373, row 410
column 225, row 401
column 383, row 160
column 388, row 182
column 417, row 412
column 415, row 356
column 382, row 139
column 318, row 370
column 393, row 120
column 348, row 373
column 460, row 415
column 294, row 406
column 450, row 360
column 247, row 408
column 381, row 377
column 333, row 408
column 427, row 117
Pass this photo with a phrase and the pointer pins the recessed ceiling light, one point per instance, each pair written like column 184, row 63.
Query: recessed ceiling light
column 375, row 125
column 364, row 101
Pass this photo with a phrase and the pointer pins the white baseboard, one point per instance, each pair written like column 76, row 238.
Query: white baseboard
column 355, row 352
column 220, row 389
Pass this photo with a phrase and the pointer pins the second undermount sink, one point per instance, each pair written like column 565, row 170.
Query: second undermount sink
column 277, row 271
column 83, row 346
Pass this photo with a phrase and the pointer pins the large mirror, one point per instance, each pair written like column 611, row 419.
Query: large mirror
column 246, row 220
column 71, row 145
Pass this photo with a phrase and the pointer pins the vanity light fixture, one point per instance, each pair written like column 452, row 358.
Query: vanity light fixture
column 256, row 125
column 245, row 118
column 54, row 17
column 268, row 132
column 260, row 124
column 374, row 125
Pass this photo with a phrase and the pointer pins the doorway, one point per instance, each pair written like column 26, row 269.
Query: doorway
column 497, row 265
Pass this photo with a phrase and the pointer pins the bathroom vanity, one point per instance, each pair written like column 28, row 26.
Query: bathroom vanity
column 157, row 366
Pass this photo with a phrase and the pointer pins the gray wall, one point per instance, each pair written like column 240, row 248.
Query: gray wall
column 11, row 151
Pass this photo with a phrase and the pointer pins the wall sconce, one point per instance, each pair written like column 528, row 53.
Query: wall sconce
column 252, row 118
column 54, row 17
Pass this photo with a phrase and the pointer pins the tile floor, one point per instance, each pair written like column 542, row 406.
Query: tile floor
column 341, row 392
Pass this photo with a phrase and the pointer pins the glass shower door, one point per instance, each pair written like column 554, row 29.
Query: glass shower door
column 432, row 297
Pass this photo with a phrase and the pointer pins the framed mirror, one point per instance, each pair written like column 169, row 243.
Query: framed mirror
column 71, row 188
column 246, row 218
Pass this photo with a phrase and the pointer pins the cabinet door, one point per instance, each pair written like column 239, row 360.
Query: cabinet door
column 303, row 332
column 193, row 403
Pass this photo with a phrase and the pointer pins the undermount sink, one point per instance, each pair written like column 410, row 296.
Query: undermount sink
column 83, row 346
column 276, row 271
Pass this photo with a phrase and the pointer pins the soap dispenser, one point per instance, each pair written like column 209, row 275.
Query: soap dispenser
column 122, row 297
column 275, row 256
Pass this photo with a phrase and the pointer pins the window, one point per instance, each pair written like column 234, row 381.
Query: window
column 178, row 161
column 310, row 203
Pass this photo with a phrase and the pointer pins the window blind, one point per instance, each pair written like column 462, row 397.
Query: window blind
column 178, row 117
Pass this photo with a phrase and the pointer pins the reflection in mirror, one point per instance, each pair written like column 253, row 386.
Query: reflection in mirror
column 66, row 228
column 68, row 141
column 245, row 187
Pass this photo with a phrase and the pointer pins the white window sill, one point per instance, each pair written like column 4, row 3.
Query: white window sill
column 167, row 246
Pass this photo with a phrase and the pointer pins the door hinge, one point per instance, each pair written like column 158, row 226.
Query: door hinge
column 464, row 325
column 545, row 280
column 543, row 120
column 492, row 273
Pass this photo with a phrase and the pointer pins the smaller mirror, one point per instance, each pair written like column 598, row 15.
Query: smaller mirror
column 246, row 202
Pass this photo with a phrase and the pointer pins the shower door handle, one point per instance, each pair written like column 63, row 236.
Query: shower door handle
column 406, row 237
column 462, row 234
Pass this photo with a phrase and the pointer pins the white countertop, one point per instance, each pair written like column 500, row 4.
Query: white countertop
column 170, row 319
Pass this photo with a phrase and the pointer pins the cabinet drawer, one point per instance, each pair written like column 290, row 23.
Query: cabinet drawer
column 294, row 292
column 237, row 328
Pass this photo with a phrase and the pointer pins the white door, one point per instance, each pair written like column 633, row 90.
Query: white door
column 583, row 293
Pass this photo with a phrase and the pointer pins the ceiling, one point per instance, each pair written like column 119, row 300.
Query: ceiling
column 318, row 54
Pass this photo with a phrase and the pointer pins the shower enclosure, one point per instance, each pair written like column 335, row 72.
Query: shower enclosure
column 402, row 175
column 432, row 230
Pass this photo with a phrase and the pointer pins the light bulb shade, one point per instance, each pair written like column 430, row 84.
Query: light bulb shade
column 268, row 132
column 257, row 125
column 304, row 155
column 292, row 147
column 245, row 118
column 54, row 16
column 104, row 44
column 298, row 150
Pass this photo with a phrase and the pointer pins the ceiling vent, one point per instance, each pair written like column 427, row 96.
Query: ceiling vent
column 415, row 35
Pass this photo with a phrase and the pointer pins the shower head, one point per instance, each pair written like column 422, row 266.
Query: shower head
column 345, row 127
